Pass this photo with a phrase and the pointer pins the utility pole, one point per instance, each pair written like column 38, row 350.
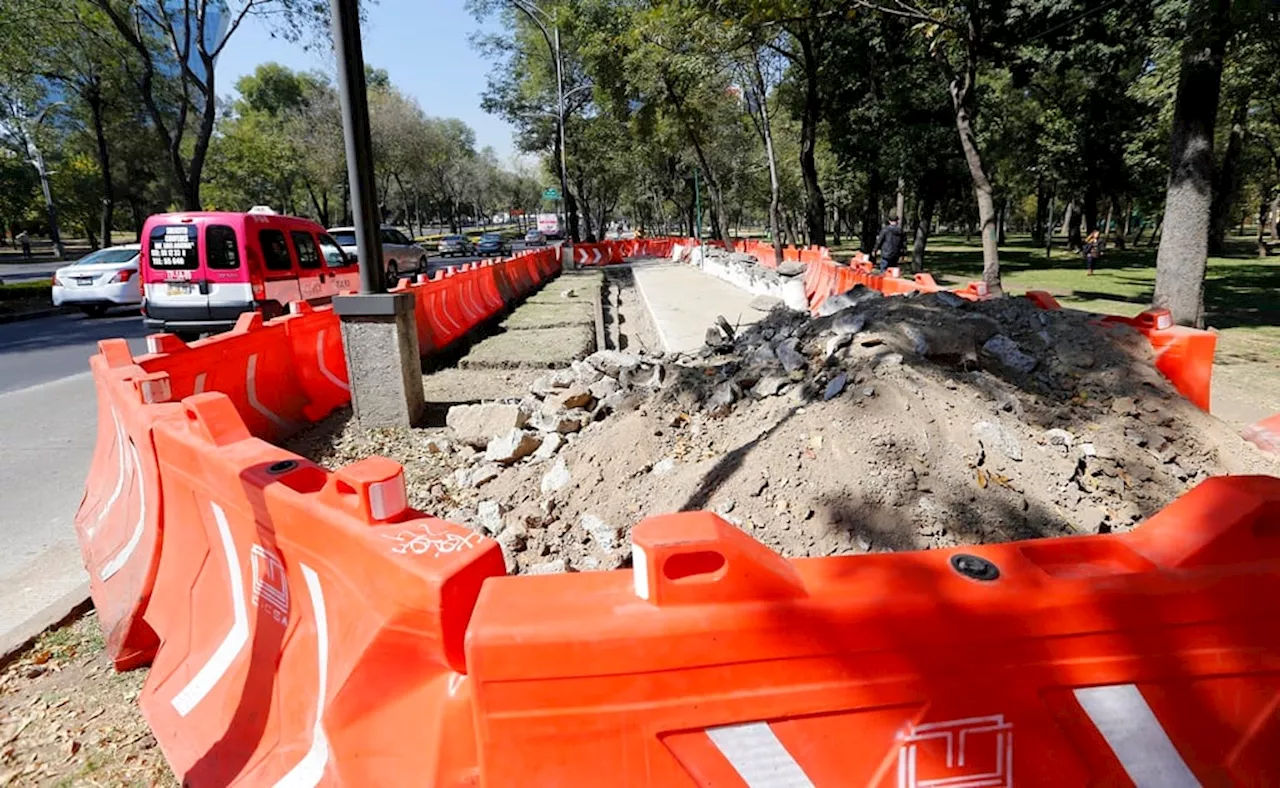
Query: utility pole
column 552, row 37
column 379, row 329
column 697, row 205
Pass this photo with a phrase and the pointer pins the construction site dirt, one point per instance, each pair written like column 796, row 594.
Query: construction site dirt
column 889, row 424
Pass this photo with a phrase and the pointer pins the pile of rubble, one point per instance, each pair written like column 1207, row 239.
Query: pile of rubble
column 883, row 424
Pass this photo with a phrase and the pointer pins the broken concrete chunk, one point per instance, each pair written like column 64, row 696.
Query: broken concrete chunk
column 848, row 323
column 489, row 516
column 835, row 343
column 721, row 400
column 889, row 360
column 842, row 301
column 765, row 303
column 576, row 396
column 791, row 268
column 512, row 447
column 437, row 446
column 995, row 437
column 475, row 425
column 728, row 330
column 564, row 422
column 1124, row 406
column 1059, row 437
column 663, row 467
column 1009, row 354
column 646, row 376
column 769, row 386
column 557, row 478
column 603, row 387
column 611, row 362
column 585, row 374
column 792, row 360
column 715, row 338
column 551, row 443
column 546, row 568
column 835, row 387
column 513, row 539
column 601, row 532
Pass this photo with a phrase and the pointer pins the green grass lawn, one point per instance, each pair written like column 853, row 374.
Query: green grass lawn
column 1242, row 290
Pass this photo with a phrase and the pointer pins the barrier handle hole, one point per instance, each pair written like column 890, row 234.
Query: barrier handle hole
column 697, row 567
column 345, row 488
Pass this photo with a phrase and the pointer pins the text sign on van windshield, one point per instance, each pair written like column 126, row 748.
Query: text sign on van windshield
column 174, row 246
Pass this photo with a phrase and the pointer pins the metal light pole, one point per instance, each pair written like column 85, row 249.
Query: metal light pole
column 697, row 205
column 553, row 43
column 355, row 126
column 379, row 329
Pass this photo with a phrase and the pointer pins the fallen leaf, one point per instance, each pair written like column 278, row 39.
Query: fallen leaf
column 982, row 479
column 41, row 658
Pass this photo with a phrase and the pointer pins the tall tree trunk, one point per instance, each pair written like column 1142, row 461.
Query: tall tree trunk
column 815, row 204
column 1002, row 216
column 835, row 224
column 1155, row 231
column 963, row 101
column 1275, row 218
column 93, row 97
column 1264, row 204
column 766, row 134
column 1048, row 225
column 924, row 217
column 1037, row 229
column 1226, row 185
column 1068, row 216
column 1091, row 208
column 901, row 207
column 871, row 213
column 1122, row 227
column 1106, row 224
column 1180, row 262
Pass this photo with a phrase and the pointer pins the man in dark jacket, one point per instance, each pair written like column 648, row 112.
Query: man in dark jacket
column 889, row 244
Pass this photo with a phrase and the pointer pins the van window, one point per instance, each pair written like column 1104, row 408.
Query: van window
column 389, row 236
column 221, row 251
column 305, row 246
column 174, row 246
column 333, row 254
column 275, row 252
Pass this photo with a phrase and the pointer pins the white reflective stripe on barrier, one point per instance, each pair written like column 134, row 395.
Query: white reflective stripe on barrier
column 758, row 757
column 121, row 462
column 199, row 387
column 308, row 771
column 388, row 499
column 640, row 570
column 324, row 369
column 1136, row 737
column 211, row 672
column 251, row 386
column 121, row 558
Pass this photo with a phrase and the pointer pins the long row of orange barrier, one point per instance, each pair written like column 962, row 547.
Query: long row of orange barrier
column 314, row 630
column 307, row 627
column 280, row 376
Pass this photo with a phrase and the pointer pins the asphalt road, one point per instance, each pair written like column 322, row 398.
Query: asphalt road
column 48, row 418
column 19, row 272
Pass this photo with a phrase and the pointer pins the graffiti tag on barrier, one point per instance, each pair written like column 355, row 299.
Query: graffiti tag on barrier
column 968, row 753
column 422, row 539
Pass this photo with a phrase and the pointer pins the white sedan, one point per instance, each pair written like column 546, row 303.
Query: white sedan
column 100, row 280
column 399, row 253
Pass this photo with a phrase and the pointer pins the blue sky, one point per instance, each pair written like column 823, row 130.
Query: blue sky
column 423, row 44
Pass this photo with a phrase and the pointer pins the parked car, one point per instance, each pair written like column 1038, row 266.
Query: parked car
column 492, row 244
column 100, row 280
column 456, row 245
column 535, row 238
column 400, row 255
column 202, row 270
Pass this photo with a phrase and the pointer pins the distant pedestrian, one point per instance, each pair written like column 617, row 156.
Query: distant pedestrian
column 1092, row 250
column 24, row 241
column 889, row 244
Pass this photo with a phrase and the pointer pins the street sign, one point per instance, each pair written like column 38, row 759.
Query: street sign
column 551, row 194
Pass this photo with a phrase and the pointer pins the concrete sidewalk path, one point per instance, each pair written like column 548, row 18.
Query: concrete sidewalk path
column 684, row 303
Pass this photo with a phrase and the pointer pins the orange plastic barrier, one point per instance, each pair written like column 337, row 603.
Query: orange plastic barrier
column 1151, row 658
column 1265, row 434
column 326, row 616
column 1184, row 355
column 118, row 522
column 279, row 376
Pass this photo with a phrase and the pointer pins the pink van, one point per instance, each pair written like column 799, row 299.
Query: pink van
column 201, row 271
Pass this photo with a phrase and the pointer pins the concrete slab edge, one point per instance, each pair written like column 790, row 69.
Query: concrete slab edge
column 653, row 318
column 70, row 605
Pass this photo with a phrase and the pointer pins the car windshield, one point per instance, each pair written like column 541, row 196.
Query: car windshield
column 344, row 237
column 108, row 256
column 491, row 237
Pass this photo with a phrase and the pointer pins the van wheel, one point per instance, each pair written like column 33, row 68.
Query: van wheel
column 393, row 274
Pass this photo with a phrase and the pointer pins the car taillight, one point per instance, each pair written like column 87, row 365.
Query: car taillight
column 57, row 281
column 259, row 291
column 123, row 275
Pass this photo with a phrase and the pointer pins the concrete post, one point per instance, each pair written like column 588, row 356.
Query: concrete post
column 380, row 341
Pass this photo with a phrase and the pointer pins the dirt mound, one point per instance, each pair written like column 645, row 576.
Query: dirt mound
column 890, row 423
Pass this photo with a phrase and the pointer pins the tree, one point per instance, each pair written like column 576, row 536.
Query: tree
column 178, row 44
column 1183, row 253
